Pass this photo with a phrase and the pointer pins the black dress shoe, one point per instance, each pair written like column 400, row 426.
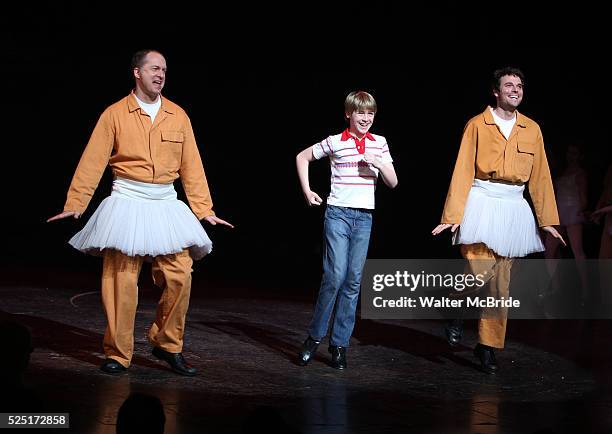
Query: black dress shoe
column 111, row 366
column 486, row 356
column 176, row 361
column 338, row 357
column 309, row 347
column 454, row 332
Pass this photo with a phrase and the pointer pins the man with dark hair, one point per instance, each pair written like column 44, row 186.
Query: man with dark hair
column 138, row 58
column 501, row 151
column 510, row 71
column 148, row 142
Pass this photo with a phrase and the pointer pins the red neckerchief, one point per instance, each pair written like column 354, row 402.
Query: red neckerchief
column 359, row 144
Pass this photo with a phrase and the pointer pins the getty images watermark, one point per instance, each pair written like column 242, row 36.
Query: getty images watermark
column 452, row 288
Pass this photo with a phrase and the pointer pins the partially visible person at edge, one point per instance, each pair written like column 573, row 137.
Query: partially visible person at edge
column 604, row 209
column 572, row 201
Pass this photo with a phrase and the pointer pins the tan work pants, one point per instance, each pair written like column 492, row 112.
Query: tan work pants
column 120, row 274
column 482, row 260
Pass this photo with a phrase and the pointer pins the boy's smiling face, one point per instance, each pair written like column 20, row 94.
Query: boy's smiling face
column 360, row 122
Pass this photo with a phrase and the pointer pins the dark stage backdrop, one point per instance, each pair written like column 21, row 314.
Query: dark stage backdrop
column 262, row 82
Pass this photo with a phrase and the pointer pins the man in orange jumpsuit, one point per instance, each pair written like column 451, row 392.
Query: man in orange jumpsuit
column 148, row 142
column 501, row 151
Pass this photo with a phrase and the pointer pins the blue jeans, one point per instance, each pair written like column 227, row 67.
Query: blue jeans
column 346, row 237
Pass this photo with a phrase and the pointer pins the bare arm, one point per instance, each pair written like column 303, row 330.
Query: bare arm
column 302, row 161
column 607, row 185
column 603, row 210
column 581, row 181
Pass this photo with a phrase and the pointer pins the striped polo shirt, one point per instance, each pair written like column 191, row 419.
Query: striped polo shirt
column 353, row 181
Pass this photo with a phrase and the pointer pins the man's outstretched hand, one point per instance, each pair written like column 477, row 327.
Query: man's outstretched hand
column 214, row 220
column 64, row 215
column 444, row 226
column 551, row 230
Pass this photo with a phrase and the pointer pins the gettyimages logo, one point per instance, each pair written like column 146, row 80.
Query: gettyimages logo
column 412, row 282
column 458, row 288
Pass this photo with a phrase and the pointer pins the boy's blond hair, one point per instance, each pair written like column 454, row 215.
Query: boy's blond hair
column 358, row 101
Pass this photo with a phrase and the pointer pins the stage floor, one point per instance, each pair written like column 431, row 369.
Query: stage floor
column 401, row 377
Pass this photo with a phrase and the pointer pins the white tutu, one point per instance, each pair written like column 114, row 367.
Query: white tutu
column 499, row 216
column 142, row 219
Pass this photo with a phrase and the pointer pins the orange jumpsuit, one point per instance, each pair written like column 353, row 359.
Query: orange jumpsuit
column 486, row 154
column 160, row 152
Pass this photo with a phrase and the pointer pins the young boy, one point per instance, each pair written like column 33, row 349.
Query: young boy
column 356, row 158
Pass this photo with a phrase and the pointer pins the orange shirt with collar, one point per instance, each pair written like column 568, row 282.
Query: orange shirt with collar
column 134, row 148
column 486, row 154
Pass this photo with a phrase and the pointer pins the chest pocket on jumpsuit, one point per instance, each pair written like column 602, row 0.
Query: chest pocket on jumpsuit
column 172, row 148
column 523, row 163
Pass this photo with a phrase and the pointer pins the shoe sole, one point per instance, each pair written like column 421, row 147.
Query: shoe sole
column 113, row 372
column 185, row 374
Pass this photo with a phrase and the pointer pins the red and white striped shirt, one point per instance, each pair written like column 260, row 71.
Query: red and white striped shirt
column 353, row 181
